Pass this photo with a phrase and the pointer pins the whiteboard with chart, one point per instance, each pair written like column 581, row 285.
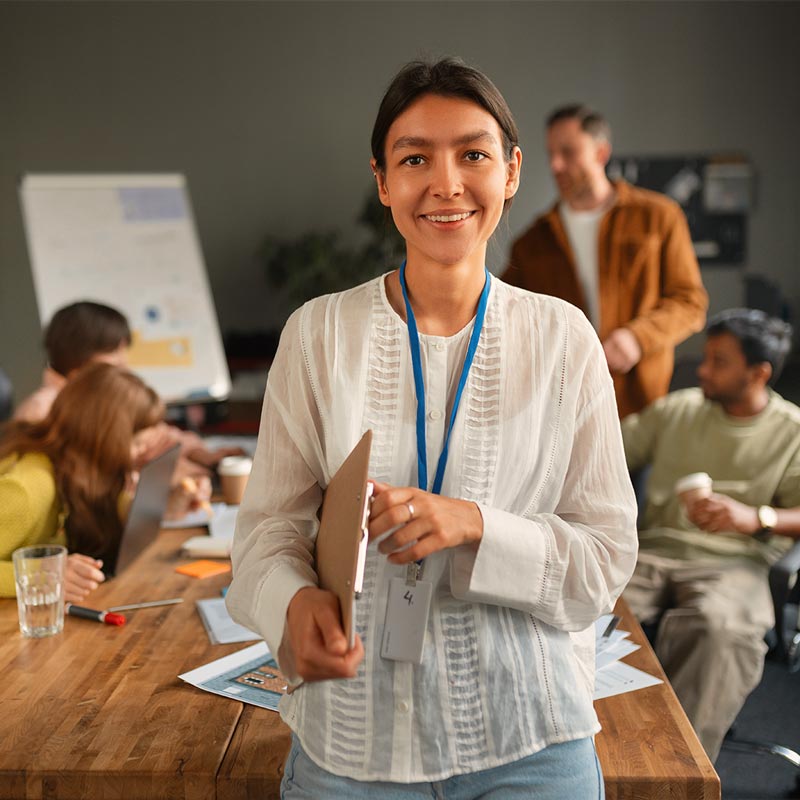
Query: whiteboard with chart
column 129, row 241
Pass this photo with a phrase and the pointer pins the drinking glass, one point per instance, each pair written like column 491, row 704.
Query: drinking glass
column 39, row 576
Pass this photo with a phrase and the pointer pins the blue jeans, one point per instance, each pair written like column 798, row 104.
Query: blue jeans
column 566, row 771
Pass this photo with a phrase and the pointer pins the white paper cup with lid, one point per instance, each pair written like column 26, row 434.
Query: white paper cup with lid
column 233, row 473
column 693, row 487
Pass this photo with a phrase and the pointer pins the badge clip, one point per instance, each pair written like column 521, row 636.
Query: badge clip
column 412, row 574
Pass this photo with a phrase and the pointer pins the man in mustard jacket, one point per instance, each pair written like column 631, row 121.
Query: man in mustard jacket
column 620, row 253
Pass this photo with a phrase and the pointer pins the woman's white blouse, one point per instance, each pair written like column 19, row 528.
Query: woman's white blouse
column 508, row 663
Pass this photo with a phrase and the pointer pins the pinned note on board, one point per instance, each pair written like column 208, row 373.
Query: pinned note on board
column 129, row 241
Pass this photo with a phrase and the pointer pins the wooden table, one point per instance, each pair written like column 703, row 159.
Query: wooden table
column 99, row 712
column 647, row 747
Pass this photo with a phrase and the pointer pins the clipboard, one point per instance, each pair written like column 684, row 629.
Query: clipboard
column 341, row 547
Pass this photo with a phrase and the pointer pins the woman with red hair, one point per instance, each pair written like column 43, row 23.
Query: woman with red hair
column 63, row 479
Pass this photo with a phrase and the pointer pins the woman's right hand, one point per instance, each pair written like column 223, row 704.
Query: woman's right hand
column 148, row 443
column 81, row 576
column 314, row 645
column 188, row 496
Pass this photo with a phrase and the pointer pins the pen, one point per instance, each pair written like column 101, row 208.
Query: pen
column 611, row 627
column 149, row 604
column 98, row 616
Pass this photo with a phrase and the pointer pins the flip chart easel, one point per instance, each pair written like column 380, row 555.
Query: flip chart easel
column 130, row 241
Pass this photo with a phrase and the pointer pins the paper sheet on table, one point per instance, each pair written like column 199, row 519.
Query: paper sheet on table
column 618, row 678
column 222, row 524
column 251, row 676
column 221, row 629
column 608, row 655
column 219, row 541
column 600, row 626
column 611, row 640
column 194, row 519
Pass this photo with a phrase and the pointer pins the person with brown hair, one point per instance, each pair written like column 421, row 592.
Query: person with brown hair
column 80, row 333
column 503, row 519
column 620, row 253
column 63, row 480
column 86, row 332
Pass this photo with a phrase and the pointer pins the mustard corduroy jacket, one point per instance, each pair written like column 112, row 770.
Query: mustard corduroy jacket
column 649, row 282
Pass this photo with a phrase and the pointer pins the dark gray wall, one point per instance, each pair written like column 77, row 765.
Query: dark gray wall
column 267, row 108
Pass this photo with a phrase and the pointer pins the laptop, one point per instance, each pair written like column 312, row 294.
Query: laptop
column 147, row 509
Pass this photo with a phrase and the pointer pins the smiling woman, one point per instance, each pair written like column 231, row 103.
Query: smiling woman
column 473, row 663
column 446, row 179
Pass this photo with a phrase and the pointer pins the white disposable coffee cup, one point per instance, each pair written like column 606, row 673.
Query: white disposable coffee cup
column 233, row 473
column 693, row 487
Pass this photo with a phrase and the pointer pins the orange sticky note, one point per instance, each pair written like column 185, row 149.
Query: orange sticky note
column 203, row 569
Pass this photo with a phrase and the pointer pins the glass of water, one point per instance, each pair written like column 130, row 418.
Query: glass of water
column 39, row 575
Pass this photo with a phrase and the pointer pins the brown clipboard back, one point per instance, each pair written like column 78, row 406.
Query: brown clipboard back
column 340, row 531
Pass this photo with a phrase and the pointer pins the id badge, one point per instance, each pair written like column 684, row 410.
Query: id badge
column 407, row 611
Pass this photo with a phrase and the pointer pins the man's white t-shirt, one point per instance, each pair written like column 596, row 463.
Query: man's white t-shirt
column 582, row 228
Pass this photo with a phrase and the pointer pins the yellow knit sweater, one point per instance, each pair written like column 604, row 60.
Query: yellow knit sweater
column 29, row 510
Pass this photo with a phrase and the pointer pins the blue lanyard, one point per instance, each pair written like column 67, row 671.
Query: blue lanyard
column 419, row 383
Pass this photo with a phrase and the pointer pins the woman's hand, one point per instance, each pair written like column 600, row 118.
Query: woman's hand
column 189, row 495
column 210, row 458
column 314, row 645
column 81, row 576
column 185, row 468
column 437, row 522
column 151, row 442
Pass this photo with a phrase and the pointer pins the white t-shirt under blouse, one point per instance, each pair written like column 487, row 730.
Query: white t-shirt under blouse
column 508, row 661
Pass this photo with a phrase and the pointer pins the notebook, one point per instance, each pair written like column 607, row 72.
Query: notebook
column 147, row 509
column 221, row 629
column 341, row 548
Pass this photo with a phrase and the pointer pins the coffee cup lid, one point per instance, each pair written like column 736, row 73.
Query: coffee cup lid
column 697, row 480
column 235, row 465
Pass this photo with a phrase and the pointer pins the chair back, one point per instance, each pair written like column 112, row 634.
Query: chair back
column 6, row 396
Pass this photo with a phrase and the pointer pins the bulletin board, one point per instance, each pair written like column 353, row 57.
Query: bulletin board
column 129, row 241
column 715, row 193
